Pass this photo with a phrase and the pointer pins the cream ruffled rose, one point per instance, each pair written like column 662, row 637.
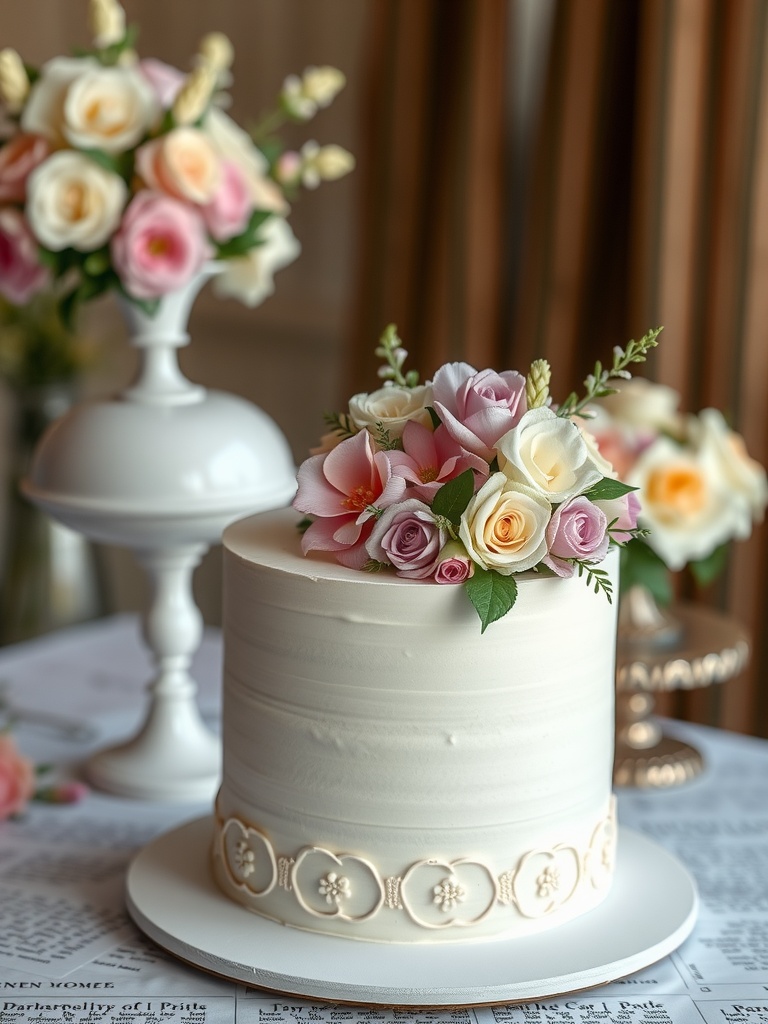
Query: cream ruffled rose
column 77, row 101
column 548, row 453
column 74, row 202
column 392, row 407
column 504, row 526
column 745, row 477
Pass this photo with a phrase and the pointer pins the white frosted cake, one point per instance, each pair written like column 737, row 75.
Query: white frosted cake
column 392, row 774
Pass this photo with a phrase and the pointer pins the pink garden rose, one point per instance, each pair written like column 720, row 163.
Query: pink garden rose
column 18, row 158
column 622, row 513
column 341, row 488
column 21, row 273
column 407, row 536
column 454, row 564
column 17, row 778
column 577, row 529
column 159, row 246
column 229, row 211
column 431, row 458
column 165, row 80
column 478, row 408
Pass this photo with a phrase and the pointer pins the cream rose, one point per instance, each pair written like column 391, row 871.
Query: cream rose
column 504, row 526
column 645, row 406
column 44, row 110
column 548, row 453
column 745, row 477
column 183, row 164
column 73, row 202
column 392, row 407
column 686, row 503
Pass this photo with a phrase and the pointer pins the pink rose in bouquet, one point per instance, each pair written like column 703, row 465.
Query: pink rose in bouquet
column 17, row 778
column 407, row 536
column 21, row 273
column 478, row 408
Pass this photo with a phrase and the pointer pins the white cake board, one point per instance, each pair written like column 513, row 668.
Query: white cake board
column 172, row 897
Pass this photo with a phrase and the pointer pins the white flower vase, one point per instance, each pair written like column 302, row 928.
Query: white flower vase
column 161, row 469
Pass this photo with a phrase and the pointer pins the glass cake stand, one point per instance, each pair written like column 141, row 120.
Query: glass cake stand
column 649, row 911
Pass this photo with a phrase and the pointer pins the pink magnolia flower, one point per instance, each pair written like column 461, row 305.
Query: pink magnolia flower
column 577, row 529
column 430, row 458
column 21, row 273
column 407, row 536
column 159, row 246
column 478, row 408
column 454, row 565
column 17, row 778
column 18, row 158
column 342, row 488
column 229, row 211
column 623, row 512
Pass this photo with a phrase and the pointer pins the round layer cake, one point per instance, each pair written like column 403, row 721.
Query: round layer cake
column 392, row 774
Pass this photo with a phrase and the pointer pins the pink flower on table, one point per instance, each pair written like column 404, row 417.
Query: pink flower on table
column 229, row 211
column 21, row 273
column 18, row 158
column 159, row 246
column 454, row 565
column 430, row 458
column 623, row 513
column 342, row 488
column 407, row 536
column 477, row 408
column 17, row 778
column 577, row 529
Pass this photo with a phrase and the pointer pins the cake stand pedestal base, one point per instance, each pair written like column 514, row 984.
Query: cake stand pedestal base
column 669, row 762
column 172, row 897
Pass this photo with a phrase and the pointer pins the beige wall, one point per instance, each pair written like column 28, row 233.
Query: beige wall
column 284, row 355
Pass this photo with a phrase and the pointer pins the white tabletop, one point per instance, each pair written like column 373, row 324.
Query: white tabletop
column 69, row 953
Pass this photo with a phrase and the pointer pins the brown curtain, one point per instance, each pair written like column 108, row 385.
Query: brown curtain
column 645, row 199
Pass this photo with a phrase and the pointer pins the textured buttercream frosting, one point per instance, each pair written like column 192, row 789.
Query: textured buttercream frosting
column 392, row 774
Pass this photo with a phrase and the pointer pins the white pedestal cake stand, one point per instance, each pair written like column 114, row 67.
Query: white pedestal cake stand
column 161, row 469
column 172, row 897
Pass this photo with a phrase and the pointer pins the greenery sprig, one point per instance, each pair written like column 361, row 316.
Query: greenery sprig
column 390, row 348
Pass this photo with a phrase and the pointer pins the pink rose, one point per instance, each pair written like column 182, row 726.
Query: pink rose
column 166, row 81
column 577, row 529
column 21, row 273
column 17, row 778
column 159, row 246
column 229, row 211
column 342, row 488
column 429, row 459
column 454, row 565
column 18, row 158
column 407, row 536
column 478, row 408
column 621, row 516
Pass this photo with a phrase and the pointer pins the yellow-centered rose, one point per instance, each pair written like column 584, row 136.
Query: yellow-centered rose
column 504, row 526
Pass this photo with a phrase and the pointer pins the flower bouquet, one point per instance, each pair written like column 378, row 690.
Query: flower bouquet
column 127, row 174
column 698, row 487
column 470, row 478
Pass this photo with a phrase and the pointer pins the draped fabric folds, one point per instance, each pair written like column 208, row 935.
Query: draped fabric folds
column 645, row 202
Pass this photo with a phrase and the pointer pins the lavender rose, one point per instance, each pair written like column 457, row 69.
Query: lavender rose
column 577, row 529
column 407, row 536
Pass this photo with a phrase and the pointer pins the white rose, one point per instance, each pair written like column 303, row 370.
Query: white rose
column 504, row 526
column 44, row 112
column 73, row 202
column 686, row 503
column 182, row 163
column 232, row 143
column 250, row 278
column 598, row 460
column 548, row 452
column 645, row 406
column 745, row 477
column 392, row 407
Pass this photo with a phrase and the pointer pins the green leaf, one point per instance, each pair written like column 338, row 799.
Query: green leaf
column 120, row 164
column 453, row 497
column 249, row 239
column 706, row 570
column 641, row 566
column 607, row 489
column 492, row 595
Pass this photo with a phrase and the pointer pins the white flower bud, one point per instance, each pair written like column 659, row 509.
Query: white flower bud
column 216, row 50
column 324, row 163
column 14, row 81
column 195, row 95
column 107, row 21
column 321, row 85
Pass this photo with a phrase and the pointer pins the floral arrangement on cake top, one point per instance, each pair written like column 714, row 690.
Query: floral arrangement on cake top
column 698, row 487
column 470, row 478
column 124, row 173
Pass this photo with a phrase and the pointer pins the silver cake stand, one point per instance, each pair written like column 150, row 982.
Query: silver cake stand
column 172, row 897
